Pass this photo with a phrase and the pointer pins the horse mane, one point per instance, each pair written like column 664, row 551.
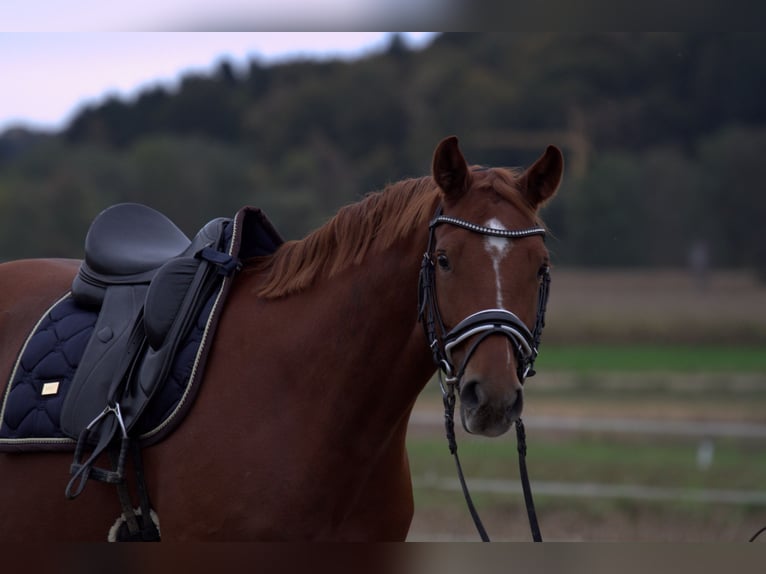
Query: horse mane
column 375, row 222
column 379, row 219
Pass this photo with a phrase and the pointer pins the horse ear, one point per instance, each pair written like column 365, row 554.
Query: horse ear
column 450, row 170
column 542, row 179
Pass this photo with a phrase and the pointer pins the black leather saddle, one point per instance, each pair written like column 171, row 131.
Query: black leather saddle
column 152, row 287
column 149, row 282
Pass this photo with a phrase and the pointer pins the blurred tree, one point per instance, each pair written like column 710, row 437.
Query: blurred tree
column 609, row 222
column 661, row 132
column 733, row 196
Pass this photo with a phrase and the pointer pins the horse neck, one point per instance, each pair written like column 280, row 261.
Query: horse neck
column 372, row 354
column 381, row 310
column 386, row 347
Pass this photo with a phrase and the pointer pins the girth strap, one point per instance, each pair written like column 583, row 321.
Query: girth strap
column 140, row 527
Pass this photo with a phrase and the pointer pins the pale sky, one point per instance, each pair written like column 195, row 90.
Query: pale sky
column 46, row 77
column 223, row 15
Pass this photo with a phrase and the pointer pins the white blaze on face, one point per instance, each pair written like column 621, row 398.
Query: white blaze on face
column 498, row 248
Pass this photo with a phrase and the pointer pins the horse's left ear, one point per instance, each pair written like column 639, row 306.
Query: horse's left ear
column 541, row 180
column 450, row 170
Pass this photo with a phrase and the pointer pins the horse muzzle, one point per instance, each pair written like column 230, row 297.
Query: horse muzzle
column 487, row 409
column 485, row 415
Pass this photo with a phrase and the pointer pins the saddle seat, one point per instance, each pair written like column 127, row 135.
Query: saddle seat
column 130, row 239
column 127, row 244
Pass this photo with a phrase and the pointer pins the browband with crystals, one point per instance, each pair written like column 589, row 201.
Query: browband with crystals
column 493, row 231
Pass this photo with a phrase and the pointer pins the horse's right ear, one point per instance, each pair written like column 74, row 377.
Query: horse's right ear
column 450, row 170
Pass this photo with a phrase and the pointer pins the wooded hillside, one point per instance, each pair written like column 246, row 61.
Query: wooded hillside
column 662, row 133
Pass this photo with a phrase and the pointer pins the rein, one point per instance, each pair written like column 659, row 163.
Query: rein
column 482, row 324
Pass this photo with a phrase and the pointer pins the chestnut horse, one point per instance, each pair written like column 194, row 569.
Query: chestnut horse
column 298, row 430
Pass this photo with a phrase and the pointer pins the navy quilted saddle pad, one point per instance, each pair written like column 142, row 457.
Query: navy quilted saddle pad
column 38, row 386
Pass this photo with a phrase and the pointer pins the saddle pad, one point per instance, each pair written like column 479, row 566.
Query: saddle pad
column 30, row 417
column 43, row 373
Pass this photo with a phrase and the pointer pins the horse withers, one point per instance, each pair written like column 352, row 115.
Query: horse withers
column 297, row 430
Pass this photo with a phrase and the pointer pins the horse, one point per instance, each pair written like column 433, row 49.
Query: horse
column 298, row 430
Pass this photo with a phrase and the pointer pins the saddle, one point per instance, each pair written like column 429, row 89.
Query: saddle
column 149, row 283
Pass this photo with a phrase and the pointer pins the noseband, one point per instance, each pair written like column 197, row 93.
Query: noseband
column 483, row 323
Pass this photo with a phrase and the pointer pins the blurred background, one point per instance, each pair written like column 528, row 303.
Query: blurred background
column 647, row 420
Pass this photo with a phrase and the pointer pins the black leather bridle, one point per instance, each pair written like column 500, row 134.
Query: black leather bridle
column 479, row 326
column 484, row 323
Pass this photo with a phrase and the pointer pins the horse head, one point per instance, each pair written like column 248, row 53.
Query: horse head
column 486, row 270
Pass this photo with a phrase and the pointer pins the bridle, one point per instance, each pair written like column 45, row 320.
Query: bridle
column 480, row 325
column 484, row 323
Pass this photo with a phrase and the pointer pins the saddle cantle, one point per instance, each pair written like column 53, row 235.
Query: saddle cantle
column 152, row 297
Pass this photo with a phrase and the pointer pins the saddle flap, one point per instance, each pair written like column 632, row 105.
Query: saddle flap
column 105, row 352
column 165, row 296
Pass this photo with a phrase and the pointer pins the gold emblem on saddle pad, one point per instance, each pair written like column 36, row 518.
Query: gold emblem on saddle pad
column 50, row 389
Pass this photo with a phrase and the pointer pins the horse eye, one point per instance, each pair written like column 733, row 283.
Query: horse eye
column 443, row 261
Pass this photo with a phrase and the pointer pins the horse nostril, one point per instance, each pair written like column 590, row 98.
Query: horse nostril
column 471, row 394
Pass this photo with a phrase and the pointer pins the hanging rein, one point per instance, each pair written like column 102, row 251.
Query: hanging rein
column 481, row 325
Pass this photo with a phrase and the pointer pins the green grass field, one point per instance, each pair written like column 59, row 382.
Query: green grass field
column 642, row 358
column 603, row 459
